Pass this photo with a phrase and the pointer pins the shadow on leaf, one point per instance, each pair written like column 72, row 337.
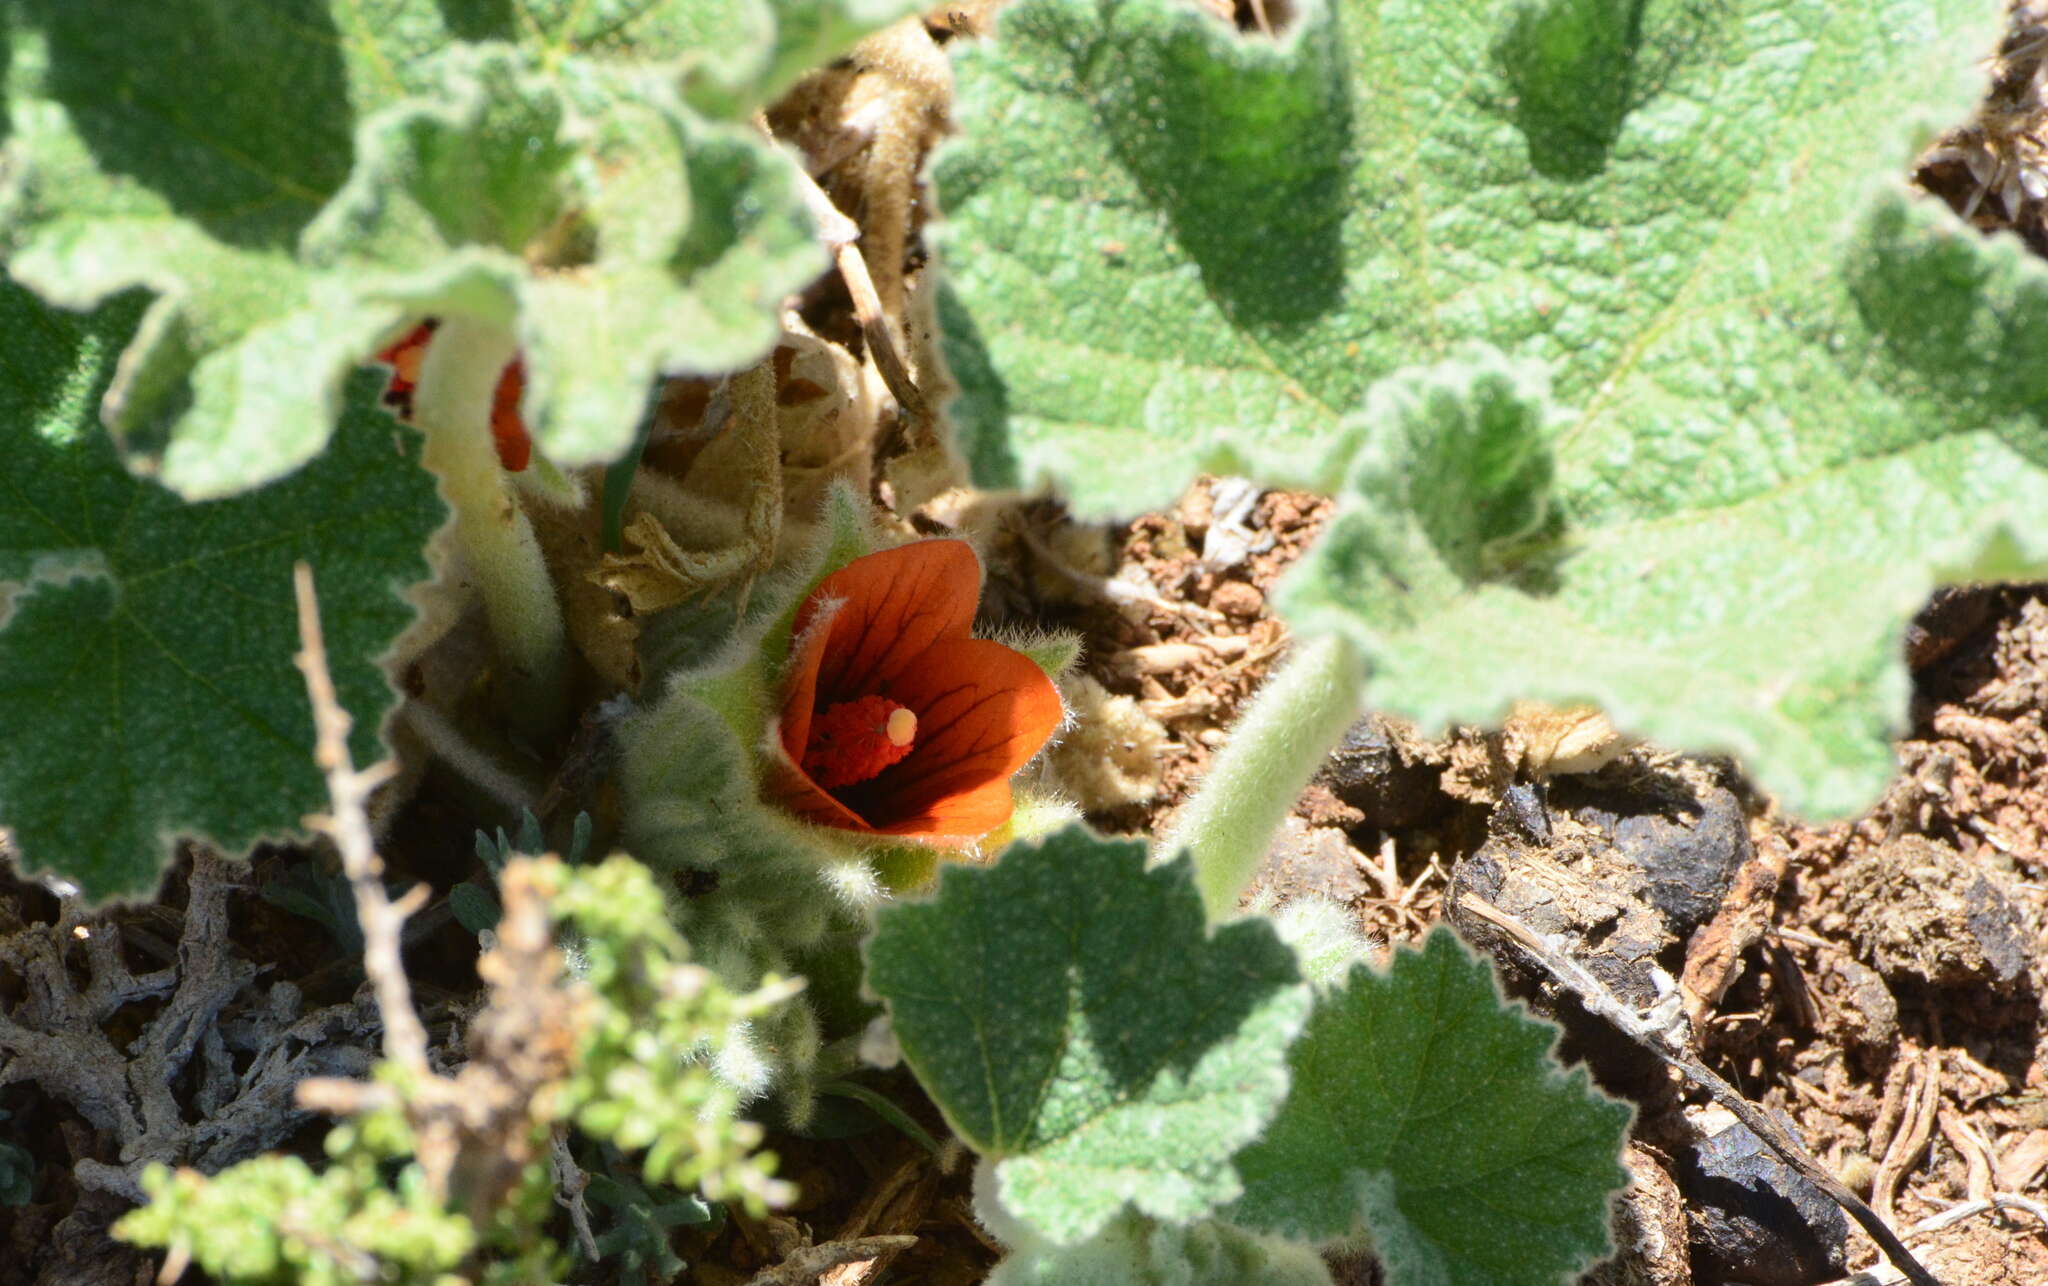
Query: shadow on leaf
column 239, row 116
column 981, row 411
column 479, row 19
column 1572, row 66
column 1245, row 148
column 1965, row 317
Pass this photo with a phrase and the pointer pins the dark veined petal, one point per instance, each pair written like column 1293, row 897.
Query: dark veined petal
column 896, row 624
column 983, row 710
column 897, row 603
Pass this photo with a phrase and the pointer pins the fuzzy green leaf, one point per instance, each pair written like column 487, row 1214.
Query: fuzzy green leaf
column 1429, row 1113
column 1788, row 398
column 1768, row 627
column 747, row 52
column 294, row 181
column 1077, row 1024
column 147, row 642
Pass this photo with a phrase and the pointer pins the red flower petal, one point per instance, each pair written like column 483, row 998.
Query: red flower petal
column 898, row 603
column 960, row 819
column 983, row 710
column 788, row 784
column 404, row 357
column 508, row 431
column 791, row 787
column 800, row 679
column 895, row 624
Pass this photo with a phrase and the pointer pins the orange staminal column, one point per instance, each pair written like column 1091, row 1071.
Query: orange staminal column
column 853, row 741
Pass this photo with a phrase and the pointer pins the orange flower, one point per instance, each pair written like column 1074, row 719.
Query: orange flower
column 508, row 431
column 895, row 721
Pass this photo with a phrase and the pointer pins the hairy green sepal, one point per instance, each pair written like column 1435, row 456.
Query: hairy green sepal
column 147, row 643
column 1079, row 1026
column 1429, row 1115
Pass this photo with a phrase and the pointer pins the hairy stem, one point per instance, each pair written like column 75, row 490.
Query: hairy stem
column 1277, row 745
column 453, row 408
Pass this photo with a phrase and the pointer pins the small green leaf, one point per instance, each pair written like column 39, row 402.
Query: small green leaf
column 294, row 181
column 1077, row 1024
column 148, row 642
column 474, row 906
column 323, row 896
column 1428, row 1112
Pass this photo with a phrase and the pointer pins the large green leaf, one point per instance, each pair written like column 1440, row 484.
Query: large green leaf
column 1752, row 400
column 146, row 673
column 1429, row 1114
column 294, row 180
column 1077, row 1023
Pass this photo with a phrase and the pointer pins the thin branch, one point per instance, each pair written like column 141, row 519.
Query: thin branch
column 405, row 1040
column 842, row 236
column 570, row 1182
column 1655, row 1038
column 1964, row 1210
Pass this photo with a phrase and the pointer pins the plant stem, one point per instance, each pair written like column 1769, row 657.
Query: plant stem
column 1277, row 745
column 452, row 407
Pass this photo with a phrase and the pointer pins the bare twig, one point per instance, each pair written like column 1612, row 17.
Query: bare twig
column 1964, row 1210
column 1121, row 593
column 1659, row 1040
column 842, row 236
column 1807, row 939
column 1979, row 1160
column 570, row 1181
column 382, row 920
column 474, row 1132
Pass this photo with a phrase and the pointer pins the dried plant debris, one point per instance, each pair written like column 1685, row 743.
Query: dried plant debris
column 1649, row 1228
column 194, row 1061
column 1112, row 758
column 1917, row 909
column 1994, row 170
